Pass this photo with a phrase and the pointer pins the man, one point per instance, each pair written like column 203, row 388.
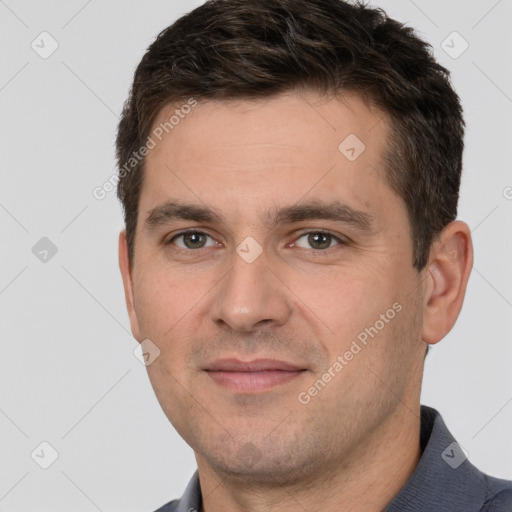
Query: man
column 289, row 172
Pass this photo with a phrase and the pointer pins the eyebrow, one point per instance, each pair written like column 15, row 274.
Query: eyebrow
column 171, row 210
column 312, row 210
column 333, row 210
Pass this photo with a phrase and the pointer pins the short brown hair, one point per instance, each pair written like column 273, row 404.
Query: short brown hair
column 239, row 49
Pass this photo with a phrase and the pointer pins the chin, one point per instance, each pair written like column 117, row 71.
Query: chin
column 262, row 464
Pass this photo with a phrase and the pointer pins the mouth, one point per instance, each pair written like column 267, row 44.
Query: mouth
column 252, row 376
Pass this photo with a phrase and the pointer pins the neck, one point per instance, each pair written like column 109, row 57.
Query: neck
column 368, row 479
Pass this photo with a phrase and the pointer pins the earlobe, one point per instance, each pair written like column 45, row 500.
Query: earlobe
column 126, row 273
column 450, row 263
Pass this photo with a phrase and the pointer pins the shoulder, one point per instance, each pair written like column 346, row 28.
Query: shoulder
column 172, row 506
column 499, row 497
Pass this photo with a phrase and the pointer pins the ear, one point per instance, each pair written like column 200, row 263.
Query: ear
column 450, row 264
column 126, row 273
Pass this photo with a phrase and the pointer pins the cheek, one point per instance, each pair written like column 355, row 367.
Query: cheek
column 345, row 300
column 166, row 308
column 150, row 304
column 170, row 391
column 163, row 299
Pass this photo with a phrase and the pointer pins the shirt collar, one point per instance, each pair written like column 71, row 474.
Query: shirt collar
column 443, row 479
column 191, row 500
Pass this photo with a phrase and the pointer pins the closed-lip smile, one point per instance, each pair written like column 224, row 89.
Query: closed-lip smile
column 252, row 376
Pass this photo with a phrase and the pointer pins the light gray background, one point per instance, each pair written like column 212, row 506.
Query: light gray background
column 67, row 372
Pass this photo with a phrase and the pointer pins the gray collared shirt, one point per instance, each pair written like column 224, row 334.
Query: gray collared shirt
column 443, row 481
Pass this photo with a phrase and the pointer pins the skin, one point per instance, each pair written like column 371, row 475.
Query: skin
column 299, row 301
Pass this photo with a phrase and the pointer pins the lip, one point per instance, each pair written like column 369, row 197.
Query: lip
column 256, row 365
column 252, row 376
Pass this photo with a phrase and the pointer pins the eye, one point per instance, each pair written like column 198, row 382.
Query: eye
column 317, row 240
column 192, row 240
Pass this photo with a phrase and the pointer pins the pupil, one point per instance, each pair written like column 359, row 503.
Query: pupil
column 320, row 240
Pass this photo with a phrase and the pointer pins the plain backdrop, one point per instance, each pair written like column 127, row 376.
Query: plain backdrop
column 68, row 375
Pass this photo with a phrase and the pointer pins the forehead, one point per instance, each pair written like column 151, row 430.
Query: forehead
column 272, row 150
column 278, row 127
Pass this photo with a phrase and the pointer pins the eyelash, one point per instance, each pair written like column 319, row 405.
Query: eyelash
column 340, row 242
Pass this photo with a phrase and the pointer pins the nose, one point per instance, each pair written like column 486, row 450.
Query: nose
column 251, row 297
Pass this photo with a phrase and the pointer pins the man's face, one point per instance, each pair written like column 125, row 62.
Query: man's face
column 297, row 251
